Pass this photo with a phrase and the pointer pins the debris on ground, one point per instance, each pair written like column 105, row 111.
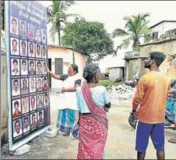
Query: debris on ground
column 121, row 93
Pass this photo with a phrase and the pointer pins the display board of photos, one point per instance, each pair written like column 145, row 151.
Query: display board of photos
column 27, row 64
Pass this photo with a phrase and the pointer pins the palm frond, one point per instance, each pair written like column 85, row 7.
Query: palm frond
column 119, row 32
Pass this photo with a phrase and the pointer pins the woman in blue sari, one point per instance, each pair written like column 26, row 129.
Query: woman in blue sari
column 171, row 107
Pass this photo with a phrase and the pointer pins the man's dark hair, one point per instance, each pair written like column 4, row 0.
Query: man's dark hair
column 38, row 62
column 25, row 118
column 14, row 40
column 38, row 46
column 31, row 62
column 17, row 121
column 15, row 81
column 13, row 19
column 40, row 113
column 23, row 62
column 159, row 57
column 75, row 67
column 33, row 115
column 16, row 103
column 23, row 42
column 45, row 78
column 15, row 61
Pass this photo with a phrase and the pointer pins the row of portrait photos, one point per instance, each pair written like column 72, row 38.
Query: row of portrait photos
column 28, row 85
column 25, row 67
column 29, row 104
column 27, row 49
column 28, row 123
column 27, row 30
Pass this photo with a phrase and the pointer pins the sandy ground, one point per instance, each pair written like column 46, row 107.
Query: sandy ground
column 120, row 143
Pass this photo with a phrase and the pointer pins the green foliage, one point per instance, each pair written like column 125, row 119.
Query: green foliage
column 136, row 27
column 108, row 83
column 91, row 38
column 57, row 16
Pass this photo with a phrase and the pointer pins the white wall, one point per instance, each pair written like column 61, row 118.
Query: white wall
column 67, row 55
column 163, row 27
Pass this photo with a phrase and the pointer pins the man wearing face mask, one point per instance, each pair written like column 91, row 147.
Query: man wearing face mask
column 149, row 106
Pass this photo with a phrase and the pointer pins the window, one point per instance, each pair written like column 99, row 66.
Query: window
column 155, row 35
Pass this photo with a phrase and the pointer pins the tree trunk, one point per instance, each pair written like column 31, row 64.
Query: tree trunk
column 59, row 36
column 73, row 56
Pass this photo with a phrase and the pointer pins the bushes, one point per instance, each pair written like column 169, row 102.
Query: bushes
column 108, row 83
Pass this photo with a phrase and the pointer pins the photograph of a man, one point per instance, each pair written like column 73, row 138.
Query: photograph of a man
column 24, row 65
column 43, row 51
column 30, row 31
column 32, row 103
column 14, row 46
column 32, row 85
column 25, row 105
column 32, row 67
column 26, row 126
column 45, row 68
column 46, row 99
column 31, row 49
column 39, row 67
column 17, row 128
column 24, row 86
column 23, row 29
column 37, row 35
column 15, row 87
column 40, row 117
column 40, row 100
column 45, row 84
column 39, row 84
column 33, row 121
column 38, row 54
column 14, row 26
column 23, row 48
column 15, row 67
column 16, row 108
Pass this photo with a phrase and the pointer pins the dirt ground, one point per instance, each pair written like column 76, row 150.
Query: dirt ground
column 120, row 143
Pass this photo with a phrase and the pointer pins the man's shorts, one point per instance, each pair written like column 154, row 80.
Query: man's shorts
column 144, row 131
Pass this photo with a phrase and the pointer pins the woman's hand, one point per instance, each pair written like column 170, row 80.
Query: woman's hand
column 106, row 109
column 48, row 71
column 63, row 90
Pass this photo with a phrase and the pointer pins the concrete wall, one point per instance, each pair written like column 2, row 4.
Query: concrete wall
column 115, row 73
column 4, row 100
column 168, row 47
column 67, row 55
column 134, row 69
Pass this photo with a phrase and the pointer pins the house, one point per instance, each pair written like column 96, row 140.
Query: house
column 164, row 40
column 60, row 58
column 161, row 30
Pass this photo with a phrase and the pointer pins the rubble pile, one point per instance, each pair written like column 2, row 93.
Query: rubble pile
column 121, row 93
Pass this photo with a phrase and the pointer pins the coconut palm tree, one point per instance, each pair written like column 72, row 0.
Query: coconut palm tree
column 57, row 16
column 136, row 27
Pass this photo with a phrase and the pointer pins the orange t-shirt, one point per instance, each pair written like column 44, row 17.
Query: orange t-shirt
column 151, row 96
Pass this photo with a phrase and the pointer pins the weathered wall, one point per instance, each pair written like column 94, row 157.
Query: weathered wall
column 167, row 47
column 115, row 73
column 4, row 103
column 135, row 69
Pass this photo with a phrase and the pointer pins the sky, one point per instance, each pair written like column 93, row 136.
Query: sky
column 111, row 13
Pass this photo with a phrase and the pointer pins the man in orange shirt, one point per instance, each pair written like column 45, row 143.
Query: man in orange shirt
column 149, row 106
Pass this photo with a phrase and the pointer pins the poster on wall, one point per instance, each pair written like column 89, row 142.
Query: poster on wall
column 29, row 107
